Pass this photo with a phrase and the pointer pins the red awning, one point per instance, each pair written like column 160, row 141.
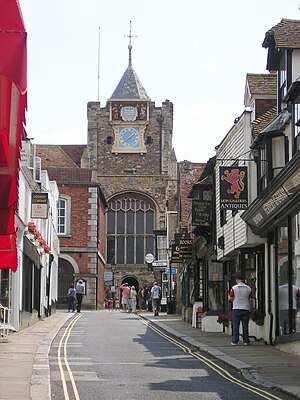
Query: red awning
column 13, row 63
column 8, row 252
column 13, row 87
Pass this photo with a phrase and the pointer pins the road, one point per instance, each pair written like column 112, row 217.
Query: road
column 110, row 355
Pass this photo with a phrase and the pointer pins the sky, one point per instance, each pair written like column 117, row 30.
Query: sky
column 195, row 53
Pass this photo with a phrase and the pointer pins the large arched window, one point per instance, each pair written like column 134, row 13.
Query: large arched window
column 130, row 225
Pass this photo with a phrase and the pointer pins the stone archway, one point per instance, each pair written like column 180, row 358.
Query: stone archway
column 132, row 281
column 66, row 273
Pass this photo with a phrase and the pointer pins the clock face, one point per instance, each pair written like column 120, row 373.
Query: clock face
column 129, row 137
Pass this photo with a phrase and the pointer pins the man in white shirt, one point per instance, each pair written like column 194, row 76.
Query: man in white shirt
column 240, row 295
column 80, row 288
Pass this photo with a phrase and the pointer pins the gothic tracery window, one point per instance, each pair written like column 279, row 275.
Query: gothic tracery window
column 130, row 225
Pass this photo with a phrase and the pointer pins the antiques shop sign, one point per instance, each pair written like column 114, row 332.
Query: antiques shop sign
column 233, row 188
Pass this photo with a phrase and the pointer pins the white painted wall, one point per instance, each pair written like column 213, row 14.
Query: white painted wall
column 47, row 227
column 295, row 64
column 236, row 145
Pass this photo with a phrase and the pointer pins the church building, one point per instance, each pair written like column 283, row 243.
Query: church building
column 129, row 144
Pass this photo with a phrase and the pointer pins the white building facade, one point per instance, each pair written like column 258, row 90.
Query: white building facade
column 31, row 292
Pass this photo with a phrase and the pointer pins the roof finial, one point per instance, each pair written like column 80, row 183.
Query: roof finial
column 130, row 36
column 130, row 46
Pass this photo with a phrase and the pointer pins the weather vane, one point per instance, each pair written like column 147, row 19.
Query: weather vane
column 130, row 36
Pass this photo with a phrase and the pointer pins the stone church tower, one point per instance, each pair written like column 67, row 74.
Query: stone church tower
column 130, row 145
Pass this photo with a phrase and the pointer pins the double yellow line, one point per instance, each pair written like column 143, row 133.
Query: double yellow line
column 64, row 343
column 219, row 370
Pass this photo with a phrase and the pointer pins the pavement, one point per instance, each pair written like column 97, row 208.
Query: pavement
column 25, row 371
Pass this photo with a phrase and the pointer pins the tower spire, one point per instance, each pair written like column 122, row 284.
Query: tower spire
column 130, row 36
column 130, row 45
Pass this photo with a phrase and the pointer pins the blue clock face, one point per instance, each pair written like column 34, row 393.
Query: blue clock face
column 129, row 137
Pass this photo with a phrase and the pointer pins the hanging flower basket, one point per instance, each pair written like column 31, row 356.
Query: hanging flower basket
column 36, row 237
column 257, row 316
column 224, row 319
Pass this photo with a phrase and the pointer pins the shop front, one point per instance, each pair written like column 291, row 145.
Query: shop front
column 275, row 215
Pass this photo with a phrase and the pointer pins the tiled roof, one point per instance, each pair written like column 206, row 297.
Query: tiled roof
column 130, row 87
column 286, row 34
column 62, row 156
column 70, row 175
column 74, row 152
column 261, row 122
column 262, row 84
column 279, row 123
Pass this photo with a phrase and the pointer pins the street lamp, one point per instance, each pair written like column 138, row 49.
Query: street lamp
column 113, row 289
column 171, row 297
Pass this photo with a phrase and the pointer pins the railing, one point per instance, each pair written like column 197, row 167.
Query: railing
column 4, row 323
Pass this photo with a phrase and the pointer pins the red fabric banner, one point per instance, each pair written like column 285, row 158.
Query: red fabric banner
column 13, row 101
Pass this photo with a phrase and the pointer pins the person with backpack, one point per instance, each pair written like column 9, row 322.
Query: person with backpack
column 155, row 296
column 71, row 298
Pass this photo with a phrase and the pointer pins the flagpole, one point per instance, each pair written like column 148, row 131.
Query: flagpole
column 98, row 83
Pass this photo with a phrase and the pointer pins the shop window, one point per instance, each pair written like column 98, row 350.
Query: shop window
column 27, row 285
column 4, row 287
column 288, row 259
column 215, row 288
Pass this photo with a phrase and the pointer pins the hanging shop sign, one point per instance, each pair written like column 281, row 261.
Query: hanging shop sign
column 39, row 205
column 185, row 248
column 176, row 254
column 233, row 188
column 201, row 213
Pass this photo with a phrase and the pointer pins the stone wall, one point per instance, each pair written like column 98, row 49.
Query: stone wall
column 153, row 173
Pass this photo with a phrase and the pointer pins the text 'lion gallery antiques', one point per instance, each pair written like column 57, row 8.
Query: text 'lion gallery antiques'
column 233, row 188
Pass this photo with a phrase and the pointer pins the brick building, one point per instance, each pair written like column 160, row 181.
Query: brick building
column 81, row 222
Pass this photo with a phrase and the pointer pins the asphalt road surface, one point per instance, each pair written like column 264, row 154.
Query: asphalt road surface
column 111, row 355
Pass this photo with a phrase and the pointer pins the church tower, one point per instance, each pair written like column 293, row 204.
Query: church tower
column 130, row 146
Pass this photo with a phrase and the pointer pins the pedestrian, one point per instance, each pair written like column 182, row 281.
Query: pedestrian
column 79, row 294
column 125, row 295
column 132, row 296
column 71, row 298
column 111, row 304
column 155, row 296
column 148, row 299
column 240, row 295
column 142, row 299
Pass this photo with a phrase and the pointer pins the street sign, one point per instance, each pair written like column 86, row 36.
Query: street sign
column 173, row 271
column 149, row 258
column 108, row 276
column 159, row 263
